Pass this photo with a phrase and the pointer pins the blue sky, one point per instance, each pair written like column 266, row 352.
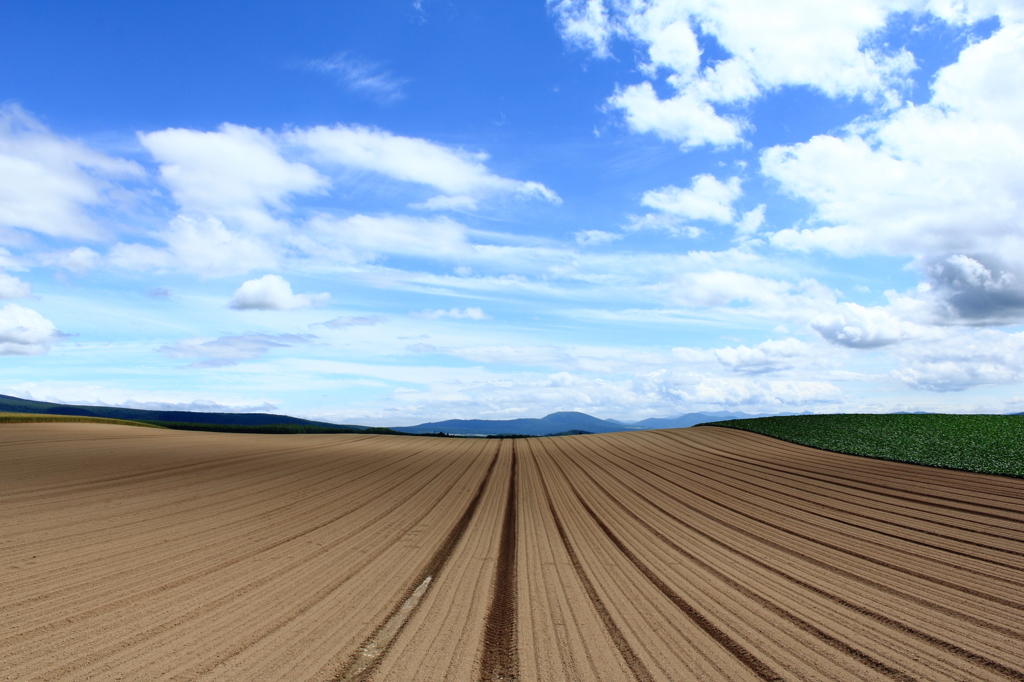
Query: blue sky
column 395, row 212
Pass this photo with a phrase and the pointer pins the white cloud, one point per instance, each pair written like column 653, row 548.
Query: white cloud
column 732, row 392
column 829, row 47
column 454, row 313
column 411, row 236
column 665, row 222
column 751, row 221
column 205, row 247
column 941, row 183
column 273, row 292
column 24, row 331
column 584, row 23
column 970, row 291
column 359, row 321
column 231, row 350
column 769, row 356
column 461, row 175
column 361, row 76
column 591, row 237
column 713, row 288
column 962, row 360
column 12, row 287
column 8, row 261
column 445, row 203
column 855, row 326
column 47, row 182
column 235, row 173
column 656, row 393
column 80, row 260
column 706, row 199
column 195, row 406
column 685, row 118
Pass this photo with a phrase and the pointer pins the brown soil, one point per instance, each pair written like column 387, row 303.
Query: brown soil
column 698, row 554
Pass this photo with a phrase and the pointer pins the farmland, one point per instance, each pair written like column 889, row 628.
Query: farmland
column 700, row 554
column 985, row 443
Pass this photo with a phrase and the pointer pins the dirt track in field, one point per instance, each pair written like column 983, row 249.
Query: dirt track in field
column 699, row 554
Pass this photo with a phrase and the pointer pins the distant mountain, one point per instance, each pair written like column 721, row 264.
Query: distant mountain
column 686, row 420
column 557, row 422
column 12, row 404
column 563, row 422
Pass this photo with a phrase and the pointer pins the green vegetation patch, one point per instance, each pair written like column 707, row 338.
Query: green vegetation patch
column 268, row 428
column 988, row 444
column 28, row 418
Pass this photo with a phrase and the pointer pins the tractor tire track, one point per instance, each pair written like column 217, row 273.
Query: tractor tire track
column 500, row 660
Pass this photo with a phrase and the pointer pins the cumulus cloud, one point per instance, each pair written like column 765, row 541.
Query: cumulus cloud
column 855, row 326
column 462, row 176
column 706, row 199
column 24, row 331
column 361, row 76
column 273, row 292
column 231, row 350
column 584, row 24
column 769, row 356
column 979, row 290
column 789, row 43
column 685, row 118
column 940, row 183
column 234, row 173
column 454, row 313
column 12, row 287
column 47, row 182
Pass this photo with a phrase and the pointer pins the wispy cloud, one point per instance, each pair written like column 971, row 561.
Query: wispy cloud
column 361, row 76
column 231, row 350
column 345, row 322
column 454, row 313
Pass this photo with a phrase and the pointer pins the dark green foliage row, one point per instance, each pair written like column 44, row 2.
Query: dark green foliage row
column 29, row 418
column 12, row 404
column 269, row 428
column 990, row 444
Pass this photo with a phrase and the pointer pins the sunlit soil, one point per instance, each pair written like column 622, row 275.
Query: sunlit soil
column 698, row 554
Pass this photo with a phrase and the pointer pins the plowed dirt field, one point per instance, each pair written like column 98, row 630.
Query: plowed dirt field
column 699, row 554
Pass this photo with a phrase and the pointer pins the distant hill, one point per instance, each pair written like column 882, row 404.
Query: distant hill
column 687, row 420
column 12, row 404
column 563, row 422
column 557, row 422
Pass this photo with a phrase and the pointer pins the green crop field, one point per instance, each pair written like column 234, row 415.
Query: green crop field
column 990, row 444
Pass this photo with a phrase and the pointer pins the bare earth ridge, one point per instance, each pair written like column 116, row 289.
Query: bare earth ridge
column 698, row 554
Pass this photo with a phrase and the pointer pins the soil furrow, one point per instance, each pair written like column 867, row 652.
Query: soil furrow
column 633, row 662
column 369, row 655
column 700, row 554
column 500, row 660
